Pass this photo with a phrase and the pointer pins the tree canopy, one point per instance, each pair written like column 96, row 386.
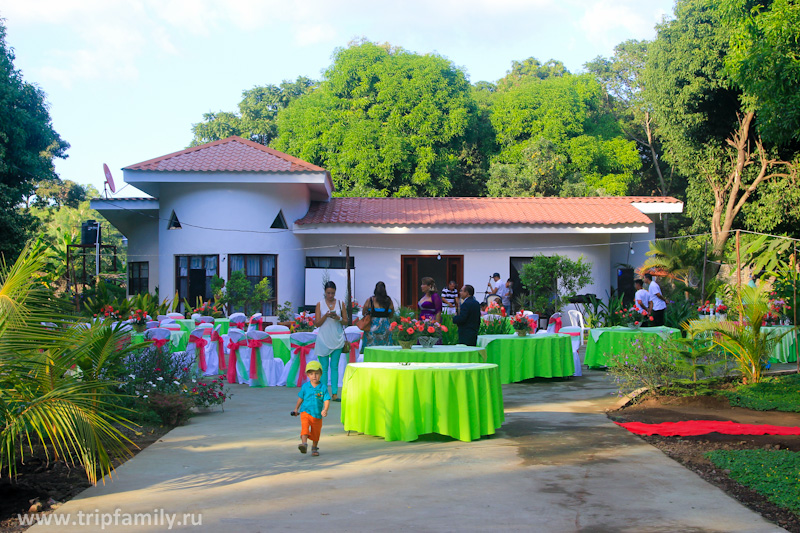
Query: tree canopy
column 28, row 144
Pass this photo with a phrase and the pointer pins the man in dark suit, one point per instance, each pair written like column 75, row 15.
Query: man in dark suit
column 469, row 319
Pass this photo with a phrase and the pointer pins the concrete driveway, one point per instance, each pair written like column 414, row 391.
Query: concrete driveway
column 557, row 464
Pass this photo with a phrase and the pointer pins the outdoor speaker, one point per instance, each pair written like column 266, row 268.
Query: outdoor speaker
column 625, row 285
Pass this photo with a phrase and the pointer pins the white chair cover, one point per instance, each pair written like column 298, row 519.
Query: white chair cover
column 212, row 351
column 273, row 368
column 161, row 317
column 153, row 324
column 168, row 321
column 242, row 358
column 206, row 319
column 302, row 337
column 576, row 324
column 255, row 318
column 353, row 335
column 196, row 316
column 212, row 361
column 276, row 329
column 237, row 318
column 176, row 316
column 206, row 326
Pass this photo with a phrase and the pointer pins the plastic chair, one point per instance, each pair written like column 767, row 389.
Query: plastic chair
column 256, row 322
column 159, row 336
column 262, row 360
column 238, row 359
column 302, row 346
column 238, row 320
column 577, row 325
column 216, row 349
column 153, row 324
column 354, row 336
column 198, row 346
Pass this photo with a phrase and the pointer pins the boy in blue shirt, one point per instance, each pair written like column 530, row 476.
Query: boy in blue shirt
column 312, row 405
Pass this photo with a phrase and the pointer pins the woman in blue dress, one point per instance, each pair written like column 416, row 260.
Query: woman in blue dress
column 380, row 309
column 430, row 305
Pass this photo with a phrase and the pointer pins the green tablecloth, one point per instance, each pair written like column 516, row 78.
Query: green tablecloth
column 280, row 347
column 785, row 350
column 188, row 325
column 531, row 356
column 617, row 339
column 418, row 354
column 178, row 340
column 402, row 402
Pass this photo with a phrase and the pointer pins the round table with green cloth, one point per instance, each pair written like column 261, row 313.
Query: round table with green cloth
column 785, row 351
column 281, row 346
column 400, row 401
column 531, row 356
column 417, row 354
column 178, row 340
column 618, row 339
column 188, row 325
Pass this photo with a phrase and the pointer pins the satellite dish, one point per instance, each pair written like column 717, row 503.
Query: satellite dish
column 109, row 179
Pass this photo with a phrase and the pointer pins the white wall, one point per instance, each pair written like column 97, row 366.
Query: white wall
column 234, row 208
column 377, row 257
column 143, row 246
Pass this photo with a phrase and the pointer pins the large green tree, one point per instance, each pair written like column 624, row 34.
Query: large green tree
column 707, row 121
column 556, row 137
column 384, row 122
column 257, row 116
column 28, row 145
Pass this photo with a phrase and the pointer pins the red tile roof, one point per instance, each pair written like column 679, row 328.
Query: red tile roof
column 595, row 211
column 233, row 154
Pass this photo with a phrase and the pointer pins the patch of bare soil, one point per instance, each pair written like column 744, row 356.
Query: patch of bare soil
column 689, row 451
column 42, row 485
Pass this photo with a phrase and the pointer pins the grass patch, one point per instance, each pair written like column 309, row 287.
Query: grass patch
column 779, row 393
column 773, row 473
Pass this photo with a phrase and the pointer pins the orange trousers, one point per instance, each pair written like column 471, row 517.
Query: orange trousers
column 310, row 426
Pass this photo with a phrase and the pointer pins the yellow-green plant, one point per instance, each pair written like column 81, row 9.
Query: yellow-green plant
column 744, row 340
column 53, row 385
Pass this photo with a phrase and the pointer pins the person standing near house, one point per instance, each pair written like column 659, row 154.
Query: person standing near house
column 330, row 338
column 430, row 305
column 450, row 299
column 642, row 297
column 494, row 285
column 505, row 293
column 378, row 311
column 657, row 301
column 468, row 319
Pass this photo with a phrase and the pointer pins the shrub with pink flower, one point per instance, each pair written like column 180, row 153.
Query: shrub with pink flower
column 208, row 392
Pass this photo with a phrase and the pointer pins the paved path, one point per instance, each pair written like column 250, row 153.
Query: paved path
column 557, row 465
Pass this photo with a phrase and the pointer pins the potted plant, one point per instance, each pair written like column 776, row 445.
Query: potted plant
column 138, row 320
column 406, row 331
column 522, row 324
column 634, row 318
column 303, row 322
column 285, row 314
column 431, row 333
column 722, row 311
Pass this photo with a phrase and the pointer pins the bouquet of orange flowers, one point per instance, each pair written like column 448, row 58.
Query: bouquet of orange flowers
column 407, row 329
column 494, row 308
column 520, row 322
column 303, row 322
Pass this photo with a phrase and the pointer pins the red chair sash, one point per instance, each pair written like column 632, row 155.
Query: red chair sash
column 215, row 336
column 256, row 344
column 354, row 350
column 200, row 347
column 302, row 350
column 160, row 343
column 557, row 322
column 259, row 322
column 232, row 347
column 239, row 325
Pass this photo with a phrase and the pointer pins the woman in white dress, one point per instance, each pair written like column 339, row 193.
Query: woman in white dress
column 330, row 338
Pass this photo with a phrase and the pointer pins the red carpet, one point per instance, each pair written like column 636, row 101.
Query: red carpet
column 701, row 427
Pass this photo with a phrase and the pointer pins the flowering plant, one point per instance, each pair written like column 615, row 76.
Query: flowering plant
column 407, row 329
column 208, row 309
column 493, row 325
column 355, row 307
column 432, row 328
column 107, row 311
column 721, row 309
column 705, row 309
column 494, row 308
column 208, row 393
column 304, row 322
column 138, row 318
column 520, row 322
column 633, row 316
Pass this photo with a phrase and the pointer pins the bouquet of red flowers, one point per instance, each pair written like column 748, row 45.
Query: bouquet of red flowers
column 407, row 329
column 207, row 309
column 722, row 309
column 705, row 309
column 138, row 318
column 107, row 311
column 432, row 328
column 520, row 322
column 304, row 322
column 635, row 317
column 494, row 308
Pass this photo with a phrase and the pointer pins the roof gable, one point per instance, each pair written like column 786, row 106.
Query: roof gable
column 233, row 154
column 595, row 211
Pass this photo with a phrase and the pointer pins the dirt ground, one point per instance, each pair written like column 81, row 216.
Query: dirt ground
column 53, row 482
column 689, row 451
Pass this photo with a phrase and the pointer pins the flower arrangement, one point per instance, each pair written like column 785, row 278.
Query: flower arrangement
column 107, row 311
column 354, row 306
column 207, row 309
column 407, row 330
column 635, row 317
column 722, row 309
column 138, row 319
column 493, row 325
column 705, row 309
column 522, row 324
column 303, row 322
column 494, row 308
column 208, row 393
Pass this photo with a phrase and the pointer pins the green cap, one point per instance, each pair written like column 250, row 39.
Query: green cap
column 313, row 365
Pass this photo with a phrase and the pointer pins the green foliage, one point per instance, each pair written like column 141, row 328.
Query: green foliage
column 772, row 473
column 745, row 342
column 678, row 258
column 553, row 279
column 531, row 68
column 490, row 326
column 646, row 365
column 285, row 312
column 779, row 393
column 174, row 409
column 384, row 122
column 694, row 356
column 679, row 313
column 607, row 314
column 240, row 293
column 28, row 145
column 449, row 337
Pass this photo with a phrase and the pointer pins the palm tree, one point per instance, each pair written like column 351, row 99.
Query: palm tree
column 745, row 341
column 44, row 397
column 674, row 259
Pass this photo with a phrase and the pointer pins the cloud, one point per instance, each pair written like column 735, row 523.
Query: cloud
column 604, row 21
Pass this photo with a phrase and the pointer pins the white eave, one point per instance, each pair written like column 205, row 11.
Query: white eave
column 650, row 208
column 471, row 229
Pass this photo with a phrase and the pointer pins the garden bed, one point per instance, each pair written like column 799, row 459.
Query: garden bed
column 54, row 481
column 690, row 451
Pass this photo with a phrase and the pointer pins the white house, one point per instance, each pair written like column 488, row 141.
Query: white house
column 237, row 205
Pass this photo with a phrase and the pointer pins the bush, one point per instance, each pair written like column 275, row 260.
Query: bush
column 647, row 364
column 773, row 473
column 680, row 313
column 174, row 409
column 449, row 337
column 208, row 392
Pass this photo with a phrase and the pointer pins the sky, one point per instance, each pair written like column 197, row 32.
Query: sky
column 126, row 79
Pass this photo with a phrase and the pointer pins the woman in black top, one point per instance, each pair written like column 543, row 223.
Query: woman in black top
column 380, row 309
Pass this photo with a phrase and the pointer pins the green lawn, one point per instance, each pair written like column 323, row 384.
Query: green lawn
column 779, row 393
